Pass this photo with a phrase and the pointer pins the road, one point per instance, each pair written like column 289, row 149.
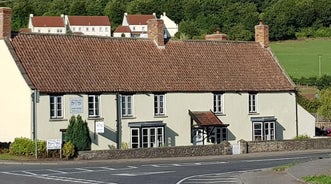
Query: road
column 215, row 169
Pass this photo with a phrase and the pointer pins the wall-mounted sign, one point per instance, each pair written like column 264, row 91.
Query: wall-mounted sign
column 99, row 127
column 54, row 144
column 76, row 105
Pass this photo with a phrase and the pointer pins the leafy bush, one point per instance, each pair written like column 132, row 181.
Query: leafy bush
column 78, row 133
column 26, row 147
column 302, row 137
column 68, row 150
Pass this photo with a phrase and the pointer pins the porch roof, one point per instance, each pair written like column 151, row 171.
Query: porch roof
column 206, row 118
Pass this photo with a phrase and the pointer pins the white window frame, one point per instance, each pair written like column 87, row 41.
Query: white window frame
column 95, row 103
column 135, row 144
column 155, row 140
column 252, row 102
column 56, row 107
column 127, row 105
column 258, row 137
column 269, row 130
column 218, row 103
column 159, row 105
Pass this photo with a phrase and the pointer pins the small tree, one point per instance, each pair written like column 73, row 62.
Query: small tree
column 78, row 133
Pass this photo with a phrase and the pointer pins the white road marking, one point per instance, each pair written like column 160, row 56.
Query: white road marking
column 185, row 164
column 274, row 159
column 143, row 173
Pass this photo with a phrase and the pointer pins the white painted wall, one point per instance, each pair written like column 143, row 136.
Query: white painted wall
column 306, row 122
column 127, row 35
column 177, row 119
column 48, row 30
column 15, row 97
column 92, row 30
column 171, row 26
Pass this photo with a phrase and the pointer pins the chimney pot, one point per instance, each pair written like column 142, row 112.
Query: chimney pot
column 5, row 22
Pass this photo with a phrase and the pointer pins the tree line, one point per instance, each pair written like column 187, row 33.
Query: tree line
column 287, row 19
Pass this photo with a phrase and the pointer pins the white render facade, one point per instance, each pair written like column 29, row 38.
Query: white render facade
column 175, row 122
column 17, row 99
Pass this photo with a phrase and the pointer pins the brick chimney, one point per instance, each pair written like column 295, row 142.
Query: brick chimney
column 155, row 31
column 262, row 34
column 217, row 36
column 5, row 22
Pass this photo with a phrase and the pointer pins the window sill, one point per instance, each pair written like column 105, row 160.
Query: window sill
column 58, row 119
column 253, row 113
column 160, row 116
column 220, row 114
column 129, row 117
column 95, row 118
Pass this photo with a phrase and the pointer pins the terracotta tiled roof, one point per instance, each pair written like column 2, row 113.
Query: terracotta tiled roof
column 47, row 21
column 122, row 29
column 206, row 118
column 89, row 20
column 139, row 19
column 71, row 64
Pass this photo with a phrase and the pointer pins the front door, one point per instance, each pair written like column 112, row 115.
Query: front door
column 269, row 130
column 198, row 137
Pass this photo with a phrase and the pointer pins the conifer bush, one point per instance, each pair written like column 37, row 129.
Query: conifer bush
column 79, row 134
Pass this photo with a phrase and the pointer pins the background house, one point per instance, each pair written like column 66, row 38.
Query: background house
column 47, row 24
column 83, row 25
column 148, row 93
column 89, row 25
column 136, row 26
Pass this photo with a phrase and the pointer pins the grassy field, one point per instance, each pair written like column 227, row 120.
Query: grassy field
column 304, row 58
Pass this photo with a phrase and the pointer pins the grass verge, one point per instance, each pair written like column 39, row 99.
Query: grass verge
column 283, row 167
column 7, row 156
column 322, row 179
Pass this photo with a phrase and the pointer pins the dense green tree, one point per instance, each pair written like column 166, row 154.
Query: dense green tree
column 78, row 133
column 144, row 7
column 77, row 7
column 325, row 103
column 115, row 11
column 21, row 11
column 94, row 7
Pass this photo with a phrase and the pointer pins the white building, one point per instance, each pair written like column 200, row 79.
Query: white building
column 146, row 92
column 83, row 25
column 47, row 24
column 136, row 26
column 89, row 25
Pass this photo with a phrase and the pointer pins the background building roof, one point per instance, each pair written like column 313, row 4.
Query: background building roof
column 89, row 20
column 47, row 21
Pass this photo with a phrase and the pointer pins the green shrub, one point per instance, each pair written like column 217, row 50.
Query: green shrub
column 79, row 134
column 68, row 150
column 26, row 147
column 22, row 146
column 302, row 137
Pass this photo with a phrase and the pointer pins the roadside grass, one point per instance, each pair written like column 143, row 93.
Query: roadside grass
column 303, row 58
column 322, row 179
column 283, row 167
column 8, row 156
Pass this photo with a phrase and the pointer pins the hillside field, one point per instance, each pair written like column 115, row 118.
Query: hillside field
column 304, row 58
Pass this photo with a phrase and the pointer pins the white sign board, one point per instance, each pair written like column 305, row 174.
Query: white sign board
column 54, row 144
column 99, row 127
column 76, row 105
